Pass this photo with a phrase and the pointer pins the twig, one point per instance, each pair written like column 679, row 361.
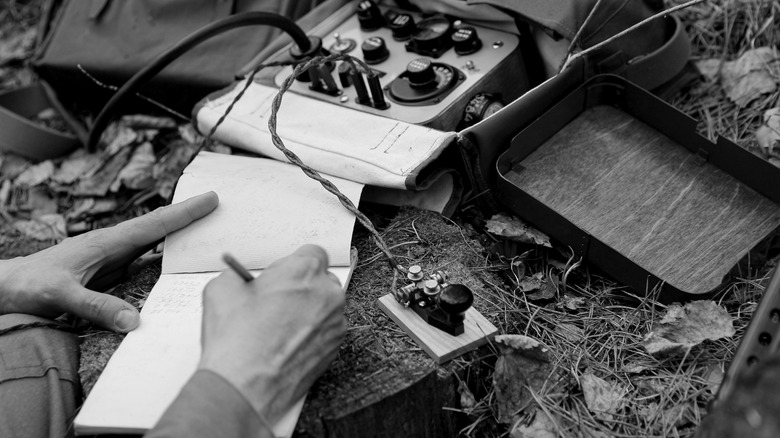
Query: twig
column 576, row 38
column 626, row 31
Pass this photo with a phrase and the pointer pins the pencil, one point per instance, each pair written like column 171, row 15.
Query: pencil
column 237, row 267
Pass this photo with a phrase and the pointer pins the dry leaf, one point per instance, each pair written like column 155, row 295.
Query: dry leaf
column 670, row 417
column 524, row 365
column 573, row 303
column 514, row 229
column 168, row 169
column 708, row 68
column 5, row 192
column 749, row 76
column 467, row 399
column 44, row 227
column 13, row 165
column 714, row 378
column 143, row 121
column 531, row 283
column 76, row 166
column 37, row 174
column 684, row 327
column 768, row 134
column 601, row 397
column 99, row 183
column 121, row 136
column 38, row 201
column 87, row 207
column 137, row 173
column 541, row 427
column 547, row 290
column 570, row 332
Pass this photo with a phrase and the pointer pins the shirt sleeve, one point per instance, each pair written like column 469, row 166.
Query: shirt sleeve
column 210, row 406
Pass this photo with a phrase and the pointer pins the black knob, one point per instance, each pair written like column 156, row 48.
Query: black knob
column 402, row 26
column 455, row 299
column 420, row 73
column 374, row 50
column 431, row 37
column 466, row 40
column 369, row 15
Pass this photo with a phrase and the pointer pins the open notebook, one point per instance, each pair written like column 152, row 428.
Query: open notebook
column 267, row 209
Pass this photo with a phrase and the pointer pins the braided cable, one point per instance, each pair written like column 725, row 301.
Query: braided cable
column 356, row 64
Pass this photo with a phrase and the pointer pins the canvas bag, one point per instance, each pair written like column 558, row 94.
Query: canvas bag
column 112, row 40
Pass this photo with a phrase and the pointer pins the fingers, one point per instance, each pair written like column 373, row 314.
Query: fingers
column 102, row 309
column 155, row 225
column 308, row 259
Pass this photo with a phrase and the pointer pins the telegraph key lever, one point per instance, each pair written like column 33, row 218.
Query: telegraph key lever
column 439, row 304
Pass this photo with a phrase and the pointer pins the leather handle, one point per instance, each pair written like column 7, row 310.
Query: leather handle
column 23, row 136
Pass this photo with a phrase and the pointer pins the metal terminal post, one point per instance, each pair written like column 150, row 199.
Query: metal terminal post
column 439, row 304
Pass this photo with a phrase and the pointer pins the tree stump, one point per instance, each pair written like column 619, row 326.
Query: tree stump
column 381, row 384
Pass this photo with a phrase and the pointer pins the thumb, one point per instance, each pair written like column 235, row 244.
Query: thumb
column 102, row 309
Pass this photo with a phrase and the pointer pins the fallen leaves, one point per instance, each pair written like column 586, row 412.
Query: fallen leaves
column 45, row 227
column 603, row 398
column 684, row 327
column 523, row 368
column 768, row 134
column 750, row 76
column 90, row 184
column 516, row 230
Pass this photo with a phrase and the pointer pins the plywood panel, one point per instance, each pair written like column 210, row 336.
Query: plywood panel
column 655, row 202
column 440, row 345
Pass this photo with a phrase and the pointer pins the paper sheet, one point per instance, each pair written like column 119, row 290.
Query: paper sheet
column 154, row 361
column 267, row 209
column 338, row 141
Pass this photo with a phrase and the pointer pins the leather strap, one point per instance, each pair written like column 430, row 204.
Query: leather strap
column 653, row 69
column 24, row 137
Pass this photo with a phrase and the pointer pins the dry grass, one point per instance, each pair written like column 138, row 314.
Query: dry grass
column 665, row 397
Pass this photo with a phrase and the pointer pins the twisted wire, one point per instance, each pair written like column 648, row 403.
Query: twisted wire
column 356, row 64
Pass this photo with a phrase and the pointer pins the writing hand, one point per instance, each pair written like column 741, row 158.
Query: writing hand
column 65, row 277
column 273, row 336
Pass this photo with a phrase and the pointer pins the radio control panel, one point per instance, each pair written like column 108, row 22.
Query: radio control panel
column 425, row 67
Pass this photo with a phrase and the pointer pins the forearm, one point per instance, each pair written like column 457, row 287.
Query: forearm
column 210, row 406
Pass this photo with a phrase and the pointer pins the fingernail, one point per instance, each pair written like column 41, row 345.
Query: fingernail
column 126, row 320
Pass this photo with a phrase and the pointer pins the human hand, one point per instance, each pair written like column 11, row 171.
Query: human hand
column 273, row 336
column 64, row 277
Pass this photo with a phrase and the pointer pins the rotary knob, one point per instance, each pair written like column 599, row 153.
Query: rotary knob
column 374, row 50
column 369, row 15
column 455, row 299
column 431, row 36
column 420, row 73
column 466, row 40
column 402, row 26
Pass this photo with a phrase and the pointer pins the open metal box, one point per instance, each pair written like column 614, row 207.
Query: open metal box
column 624, row 179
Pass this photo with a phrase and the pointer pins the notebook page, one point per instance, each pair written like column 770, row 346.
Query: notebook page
column 267, row 209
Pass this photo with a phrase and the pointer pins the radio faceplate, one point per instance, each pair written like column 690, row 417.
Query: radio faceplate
column 430, row 85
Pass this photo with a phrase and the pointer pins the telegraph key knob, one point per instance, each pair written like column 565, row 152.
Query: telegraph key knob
column 455, row 299
column 420, row 73
column 374, row 50
column 369, row 15
column 402, row 26
column 466, row 40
